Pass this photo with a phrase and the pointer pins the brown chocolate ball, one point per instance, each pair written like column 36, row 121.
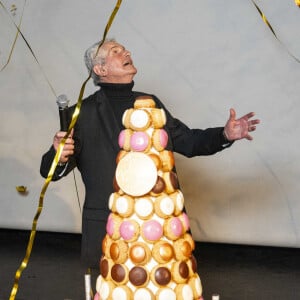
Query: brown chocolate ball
column 118, row 273
column 138, row 276
column 162, row 275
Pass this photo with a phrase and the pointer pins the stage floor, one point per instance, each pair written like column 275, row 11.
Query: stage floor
column 235, row 272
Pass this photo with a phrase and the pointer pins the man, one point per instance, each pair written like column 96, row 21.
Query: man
column 93, row 145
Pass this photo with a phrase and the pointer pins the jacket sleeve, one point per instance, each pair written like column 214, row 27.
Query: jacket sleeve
column 193, row 142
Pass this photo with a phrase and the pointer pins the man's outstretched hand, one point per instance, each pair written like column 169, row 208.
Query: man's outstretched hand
column 237, row 129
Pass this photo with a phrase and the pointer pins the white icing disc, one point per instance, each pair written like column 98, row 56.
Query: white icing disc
column 136, row 174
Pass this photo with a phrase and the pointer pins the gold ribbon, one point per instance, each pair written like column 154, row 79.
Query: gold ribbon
column 27, row 44
column 17, row 34
column 53, row 166
column 272, row 30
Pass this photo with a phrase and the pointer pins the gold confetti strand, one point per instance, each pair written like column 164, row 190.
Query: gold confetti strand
column 16, row 37
column 297, row 2
column 33, row 54
column 52, row 169
column 82, row 89
column 272, row 30
column 108, row 25
column 35, row 221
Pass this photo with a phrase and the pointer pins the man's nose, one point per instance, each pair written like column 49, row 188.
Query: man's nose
column 127, row 53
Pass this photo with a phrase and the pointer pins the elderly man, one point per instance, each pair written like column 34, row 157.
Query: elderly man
column 93, row 146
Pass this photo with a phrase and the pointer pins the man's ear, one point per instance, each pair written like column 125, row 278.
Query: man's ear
column 100, row 70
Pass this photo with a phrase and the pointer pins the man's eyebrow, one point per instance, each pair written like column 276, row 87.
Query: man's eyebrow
column 116, row 46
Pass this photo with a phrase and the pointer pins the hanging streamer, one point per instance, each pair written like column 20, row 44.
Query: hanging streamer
column 272, row 30
column 29, row 47
column 17, row 34
column 54, row 165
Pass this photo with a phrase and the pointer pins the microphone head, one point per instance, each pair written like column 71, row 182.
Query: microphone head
column 62, row 101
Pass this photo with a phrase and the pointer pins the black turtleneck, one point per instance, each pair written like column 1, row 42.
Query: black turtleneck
column 120, row 97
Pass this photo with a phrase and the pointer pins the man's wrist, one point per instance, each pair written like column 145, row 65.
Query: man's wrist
column 226, row 142
column 225, row 136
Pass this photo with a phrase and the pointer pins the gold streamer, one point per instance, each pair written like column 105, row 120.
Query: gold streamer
column 29, row 47
column 272, row 30
column 17, row 34
column 53, row 166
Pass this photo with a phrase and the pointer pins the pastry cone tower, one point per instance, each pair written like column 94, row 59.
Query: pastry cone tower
column 147, row 251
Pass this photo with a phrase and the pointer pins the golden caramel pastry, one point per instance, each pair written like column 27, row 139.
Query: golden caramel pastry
column 118, row 251
column 139, row 253
column 156, row 159
column 188, row 237
column 183, row 249
column 171, row 181
column 140, row 141
column 180, row 271
column 106, row 242
column 167, row 159
column 163, row 252
column 151, row 231
column 144, row 102
column 143, row 294
column 126, row 117
column 119, row 274
column 178, row 199
column 113, row 225
column 159, row 118
column 196, row 285
column 185, row 221
column 124, row 139
column 165, row 294
column 104, row 288
column 159, row 139
column 122, row 293
column 139, row 119
column 164, row 206
column 129, row 230
column 111, row 201
column 123, row 205
column 184, row 292
column 173, row 228
column 144, row 208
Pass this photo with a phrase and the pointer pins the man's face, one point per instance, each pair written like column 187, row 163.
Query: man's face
column 118, row 67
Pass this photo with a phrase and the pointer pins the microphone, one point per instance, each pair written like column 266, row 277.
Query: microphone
column 62, row 102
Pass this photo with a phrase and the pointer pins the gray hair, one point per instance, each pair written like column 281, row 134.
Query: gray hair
column 92, row 58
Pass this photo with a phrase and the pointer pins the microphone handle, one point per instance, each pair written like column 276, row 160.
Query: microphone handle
column 63, row 117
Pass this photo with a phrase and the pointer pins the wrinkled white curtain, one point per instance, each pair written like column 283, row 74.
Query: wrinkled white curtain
column 200, row 58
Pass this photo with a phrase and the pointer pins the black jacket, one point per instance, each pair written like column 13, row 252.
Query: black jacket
column 96, row 147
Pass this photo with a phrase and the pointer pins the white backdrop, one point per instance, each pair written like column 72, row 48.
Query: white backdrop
column 200, row 58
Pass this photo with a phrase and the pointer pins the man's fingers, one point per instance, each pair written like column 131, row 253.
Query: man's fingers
column 232, row 114
column 251, row 128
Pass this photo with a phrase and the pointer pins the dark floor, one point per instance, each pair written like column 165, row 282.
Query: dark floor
column 54, row 271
